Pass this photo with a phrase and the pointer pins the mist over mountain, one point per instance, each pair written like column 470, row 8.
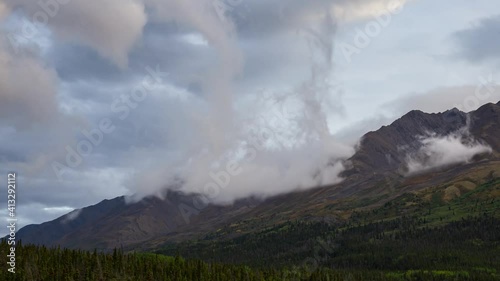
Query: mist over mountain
column 392, row 147
column 452, row 144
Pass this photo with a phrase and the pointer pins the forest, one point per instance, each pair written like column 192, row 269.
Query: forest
column 407, row 238
column 393, row 250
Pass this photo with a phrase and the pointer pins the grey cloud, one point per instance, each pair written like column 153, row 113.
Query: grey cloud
column 111, row 27
column 263, row 18
column 355, row 131
column 162, row 45
column 465, row 98
column 480, row 42
column 169, row 128
column 76, row 63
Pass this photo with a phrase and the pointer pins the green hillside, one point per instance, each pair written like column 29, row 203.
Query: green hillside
column 360, row 253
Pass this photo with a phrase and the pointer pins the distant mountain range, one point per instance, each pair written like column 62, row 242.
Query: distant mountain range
column 376, row 174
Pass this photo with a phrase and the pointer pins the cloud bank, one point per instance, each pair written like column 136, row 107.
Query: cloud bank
column 441, row 151
column 277, row 142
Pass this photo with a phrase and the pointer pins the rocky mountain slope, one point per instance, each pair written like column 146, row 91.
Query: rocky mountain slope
column 377, row 174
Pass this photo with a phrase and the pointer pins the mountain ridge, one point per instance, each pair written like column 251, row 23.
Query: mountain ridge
column 376, row 173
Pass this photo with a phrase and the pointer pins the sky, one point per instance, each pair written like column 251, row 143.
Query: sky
column 227, row 98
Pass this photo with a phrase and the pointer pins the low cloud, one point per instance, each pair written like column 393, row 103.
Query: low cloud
column 440, row 151
column 263, row 144
column 72, row 215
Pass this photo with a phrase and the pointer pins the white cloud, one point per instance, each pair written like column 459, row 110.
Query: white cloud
column 439, row 151
column 58, row 210
column 72, row 215
column 195, row 39
column 294, row 151
column 362, row 10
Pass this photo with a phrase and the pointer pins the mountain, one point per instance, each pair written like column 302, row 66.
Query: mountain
column 485, row 125
column 380, row 151
column 116, row 223
column 376, row 175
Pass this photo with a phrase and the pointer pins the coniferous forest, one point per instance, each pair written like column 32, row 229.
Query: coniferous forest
column 437, row 240
column 394, row 250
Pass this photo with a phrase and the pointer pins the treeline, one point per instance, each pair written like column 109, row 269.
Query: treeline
column 456, row 240
column 470, row 247
column 394, row 250
column 38, row 263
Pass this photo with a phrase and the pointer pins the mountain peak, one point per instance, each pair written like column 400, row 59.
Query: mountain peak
column 379, row 160
column 381, row 150
column 413, row 114
column 492, row 107
column 453, row 110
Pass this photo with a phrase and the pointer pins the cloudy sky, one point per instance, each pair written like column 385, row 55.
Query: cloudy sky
column 135, row 96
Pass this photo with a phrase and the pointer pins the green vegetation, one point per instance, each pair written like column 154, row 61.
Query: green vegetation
column 410, row 238
column 436, row 211
column 470, row 247
column 429, row 235
column 53, row 264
